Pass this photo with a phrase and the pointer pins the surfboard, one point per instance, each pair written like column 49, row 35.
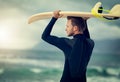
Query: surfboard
column 96, row 11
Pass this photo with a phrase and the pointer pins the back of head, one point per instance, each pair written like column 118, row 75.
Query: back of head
column 77, row 21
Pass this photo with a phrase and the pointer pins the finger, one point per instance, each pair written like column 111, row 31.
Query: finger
column 59, row 10
column 60, row 15
column 57, row 14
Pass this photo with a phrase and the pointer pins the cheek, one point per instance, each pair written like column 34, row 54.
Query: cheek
column 67, row 29
column 70, row 31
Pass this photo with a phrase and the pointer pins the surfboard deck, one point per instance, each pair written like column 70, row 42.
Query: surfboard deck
column 115, row 12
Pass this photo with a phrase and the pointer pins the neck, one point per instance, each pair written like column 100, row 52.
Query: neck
column 78, row 33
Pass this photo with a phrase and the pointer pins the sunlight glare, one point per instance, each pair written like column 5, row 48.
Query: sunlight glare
column 6, row 37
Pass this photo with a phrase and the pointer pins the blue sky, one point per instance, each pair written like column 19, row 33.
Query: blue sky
column 15, row 33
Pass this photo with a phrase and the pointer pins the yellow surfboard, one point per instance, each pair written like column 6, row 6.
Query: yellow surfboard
column 114, row 13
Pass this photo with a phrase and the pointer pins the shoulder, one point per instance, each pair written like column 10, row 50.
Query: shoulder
column 90, row 42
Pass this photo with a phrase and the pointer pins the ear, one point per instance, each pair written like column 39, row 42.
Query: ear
column 76, row 28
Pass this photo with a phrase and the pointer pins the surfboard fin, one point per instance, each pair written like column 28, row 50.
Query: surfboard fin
column 114, row 11
column 98, row 11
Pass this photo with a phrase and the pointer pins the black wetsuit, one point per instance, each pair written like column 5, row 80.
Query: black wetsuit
column 77, row 53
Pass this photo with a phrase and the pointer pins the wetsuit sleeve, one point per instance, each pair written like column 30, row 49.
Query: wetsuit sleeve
column 86, row 32
column 56, row 41
column 48, row 29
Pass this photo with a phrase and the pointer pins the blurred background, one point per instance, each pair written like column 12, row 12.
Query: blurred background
column 25, row 57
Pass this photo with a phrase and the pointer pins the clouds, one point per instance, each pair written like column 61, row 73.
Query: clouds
column 101, row 31
column 15, row 13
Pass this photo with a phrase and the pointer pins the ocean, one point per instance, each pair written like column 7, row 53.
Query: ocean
column 47, row 66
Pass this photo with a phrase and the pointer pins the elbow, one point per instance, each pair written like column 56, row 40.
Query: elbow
column 43, row 37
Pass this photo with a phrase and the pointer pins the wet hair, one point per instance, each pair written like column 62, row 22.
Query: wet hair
column 77, row 21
